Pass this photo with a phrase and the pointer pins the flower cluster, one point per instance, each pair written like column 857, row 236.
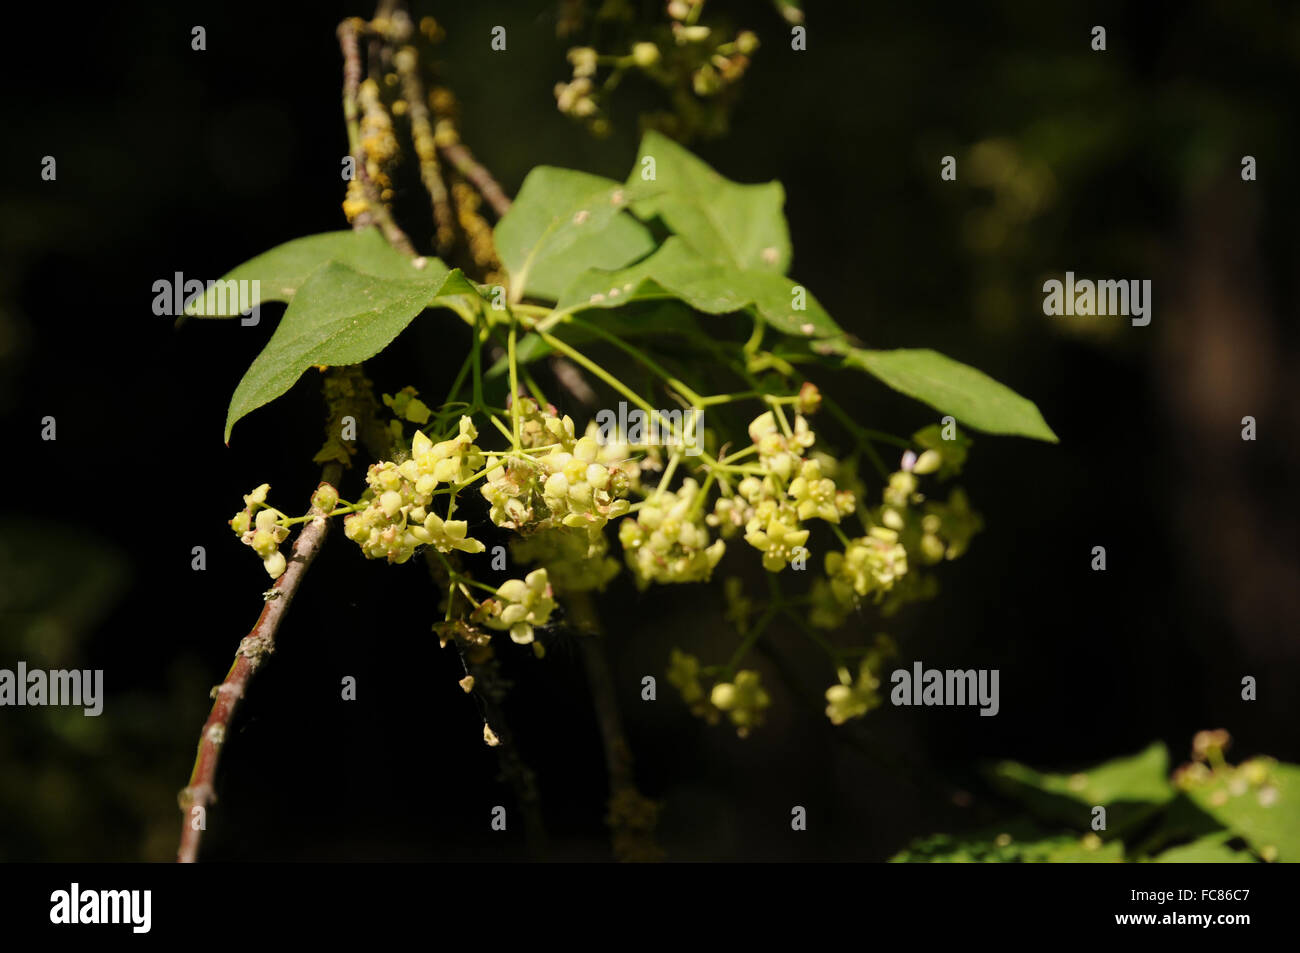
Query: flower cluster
column 406, row 405
column 543, row 426
column 771, row 508
column 559, row 491
column 397, row 519
column 692, row 59
column 577, row 561
column 906, row 531
column 519, row 606
column 668, row 541
column 684, row 675
column 869, row 564
column 568, row 486
column 1211, row 779
column 743, row 699
column 617, row 451
column 261, row 529
column 853, row 698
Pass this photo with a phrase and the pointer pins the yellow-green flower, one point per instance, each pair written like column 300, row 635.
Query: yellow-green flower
column 743, row 700
column 871, row 563
column 520, row 605
column 446, row 535
column 850, row 698
column 778, row 541
column 815, row 495
column 684, row 675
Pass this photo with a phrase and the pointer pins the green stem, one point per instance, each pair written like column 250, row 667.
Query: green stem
column 533, row 387
column 669, row 470
column 698, row 503
column 477, row 355
column 509, row 435
column 750, row 638
column 728, row 398
column 460, row 379
column 639, row 355
column 514, row 386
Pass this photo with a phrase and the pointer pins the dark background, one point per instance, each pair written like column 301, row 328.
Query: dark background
column 1116, row 164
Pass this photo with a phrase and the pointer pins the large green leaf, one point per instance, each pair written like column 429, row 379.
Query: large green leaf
column 338, row 316
column 283, row 270
column 677, row 270
column 1016, row 842
column 1130, row 788
column 950, row 387
column 564, row 222
column 1267, row 817
column 1210, row 849
column 740, row 225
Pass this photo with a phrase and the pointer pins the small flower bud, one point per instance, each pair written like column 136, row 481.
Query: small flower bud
column 275, row 564
column 645, row 54
column 583, row 59
column 326, row 498
column 810, row 398
column 263, row 543
column 723, row 695
column 927, row 462
column 705, row 81
column 932, row 547
column 390, row 502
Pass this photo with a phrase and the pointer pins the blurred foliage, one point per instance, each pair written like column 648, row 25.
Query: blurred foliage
column 76, row 787
column 1209, row 812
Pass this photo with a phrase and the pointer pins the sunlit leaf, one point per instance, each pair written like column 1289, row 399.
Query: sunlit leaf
column 951, row 387
column 338, row 316
column 739, row 225
column 676, row 270
column 283, row 270
column 563, row 223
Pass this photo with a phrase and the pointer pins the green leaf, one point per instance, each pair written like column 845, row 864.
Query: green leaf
column 677, row 270
column 740, row 225
column 950, row 387
column 338, row 316
column 283, row 270
column 1016, row 842
column 1210, row 849
column 1129, row 788
column 1267, row 817
column 562, row 223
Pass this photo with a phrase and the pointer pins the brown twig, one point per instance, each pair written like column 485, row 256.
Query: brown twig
column 458, row 154
column 253, row 649
column 425, row 149
column 376, row 212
